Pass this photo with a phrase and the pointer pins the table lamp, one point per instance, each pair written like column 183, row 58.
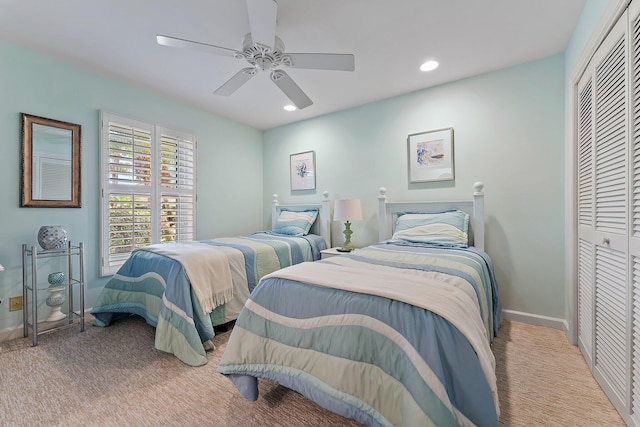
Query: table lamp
column 347, row 210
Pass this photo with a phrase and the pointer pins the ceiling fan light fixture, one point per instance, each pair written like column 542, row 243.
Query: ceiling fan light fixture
column 429, row 65
column 290, row 107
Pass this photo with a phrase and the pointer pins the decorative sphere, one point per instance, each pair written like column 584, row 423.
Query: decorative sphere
column 52, row 237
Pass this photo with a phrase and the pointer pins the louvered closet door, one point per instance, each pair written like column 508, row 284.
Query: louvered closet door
column 634, row 194
column 610, row 237
column 586, row 223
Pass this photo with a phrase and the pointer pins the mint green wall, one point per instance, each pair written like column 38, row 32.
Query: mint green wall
column 229, row 160
column 508, row 133
column 591, row 14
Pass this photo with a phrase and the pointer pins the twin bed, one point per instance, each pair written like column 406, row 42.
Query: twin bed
column 396, row 333
column 184, row 290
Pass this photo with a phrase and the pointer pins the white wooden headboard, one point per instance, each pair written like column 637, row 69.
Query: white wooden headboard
column 387, row 213
column 321, row 227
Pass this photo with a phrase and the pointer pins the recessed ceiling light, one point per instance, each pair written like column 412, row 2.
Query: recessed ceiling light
column 290, row 107
column 429, row 65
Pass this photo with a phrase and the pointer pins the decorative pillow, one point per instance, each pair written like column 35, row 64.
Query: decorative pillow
column 295, row 223
column 447, row 228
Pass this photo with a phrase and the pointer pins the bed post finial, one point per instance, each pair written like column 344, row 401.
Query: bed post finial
column 478, row 186
column 382, row 214
column 274, row 210
column 383, row 193
column 325, row 224
column 478, row 215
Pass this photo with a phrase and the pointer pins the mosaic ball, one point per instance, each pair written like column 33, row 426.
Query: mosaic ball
column 52, row 237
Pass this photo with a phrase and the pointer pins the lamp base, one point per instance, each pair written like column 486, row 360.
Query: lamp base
column 347, row 246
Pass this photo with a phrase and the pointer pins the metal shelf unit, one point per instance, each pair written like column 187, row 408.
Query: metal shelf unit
column 30, row 287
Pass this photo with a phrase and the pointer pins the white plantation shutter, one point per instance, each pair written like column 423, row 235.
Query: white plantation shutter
column 129, row 224
column 129, row 155
column 177, row 218
column 177, row 185
column 148, row 187
column 127, row 195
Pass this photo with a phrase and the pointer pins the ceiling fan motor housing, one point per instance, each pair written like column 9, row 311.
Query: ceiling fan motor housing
column 262, row 57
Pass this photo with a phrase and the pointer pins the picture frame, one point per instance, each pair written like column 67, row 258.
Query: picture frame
column 430, row 156
column 302, row 168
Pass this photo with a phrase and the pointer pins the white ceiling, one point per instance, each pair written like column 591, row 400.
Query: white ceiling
column 390, row 39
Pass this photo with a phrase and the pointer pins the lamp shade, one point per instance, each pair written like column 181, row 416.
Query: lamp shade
column 347, row 210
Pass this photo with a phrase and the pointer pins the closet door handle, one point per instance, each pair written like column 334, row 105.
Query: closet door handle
column 606, row 241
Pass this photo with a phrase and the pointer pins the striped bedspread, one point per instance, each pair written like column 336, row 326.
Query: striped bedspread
column 390, row 335
column 156, row 286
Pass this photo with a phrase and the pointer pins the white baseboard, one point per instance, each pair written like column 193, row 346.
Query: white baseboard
column 9, row 334
column 536, row 320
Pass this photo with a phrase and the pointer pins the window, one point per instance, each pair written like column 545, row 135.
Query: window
column 148, row 187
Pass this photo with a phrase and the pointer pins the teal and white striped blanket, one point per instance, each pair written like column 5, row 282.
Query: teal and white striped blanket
column 390, row 335
column 155, row 284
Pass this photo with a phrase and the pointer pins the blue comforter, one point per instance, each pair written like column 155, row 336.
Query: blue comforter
column 157, row 288
column 353, row 348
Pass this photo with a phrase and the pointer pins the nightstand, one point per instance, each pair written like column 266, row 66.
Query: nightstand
column 328, row 253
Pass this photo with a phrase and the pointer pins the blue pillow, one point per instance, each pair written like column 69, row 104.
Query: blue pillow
column 446, row 228
column 295, row 223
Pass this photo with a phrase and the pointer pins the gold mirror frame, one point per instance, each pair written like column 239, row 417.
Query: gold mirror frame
column 26, row 165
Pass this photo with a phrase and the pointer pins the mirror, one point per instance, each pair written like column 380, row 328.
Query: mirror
column 50, row 163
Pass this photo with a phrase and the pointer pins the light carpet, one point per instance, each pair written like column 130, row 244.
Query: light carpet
column 113, row 376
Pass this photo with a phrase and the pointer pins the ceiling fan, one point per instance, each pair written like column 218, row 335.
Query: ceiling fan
column 264, row 51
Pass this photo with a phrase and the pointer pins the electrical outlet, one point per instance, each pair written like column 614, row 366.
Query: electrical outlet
column 15, row 303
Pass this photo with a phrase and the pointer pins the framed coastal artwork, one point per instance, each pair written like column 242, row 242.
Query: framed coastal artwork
column 431, row 156
column 303, row 170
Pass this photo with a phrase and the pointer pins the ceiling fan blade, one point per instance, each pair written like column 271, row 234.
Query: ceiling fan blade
column 234, row 83
column 204, row 47
column 322, row 61
column 291, row 89
column 262, row 21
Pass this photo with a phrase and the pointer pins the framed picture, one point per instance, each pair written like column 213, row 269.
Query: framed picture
column 431, row 156
column 303, row 170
